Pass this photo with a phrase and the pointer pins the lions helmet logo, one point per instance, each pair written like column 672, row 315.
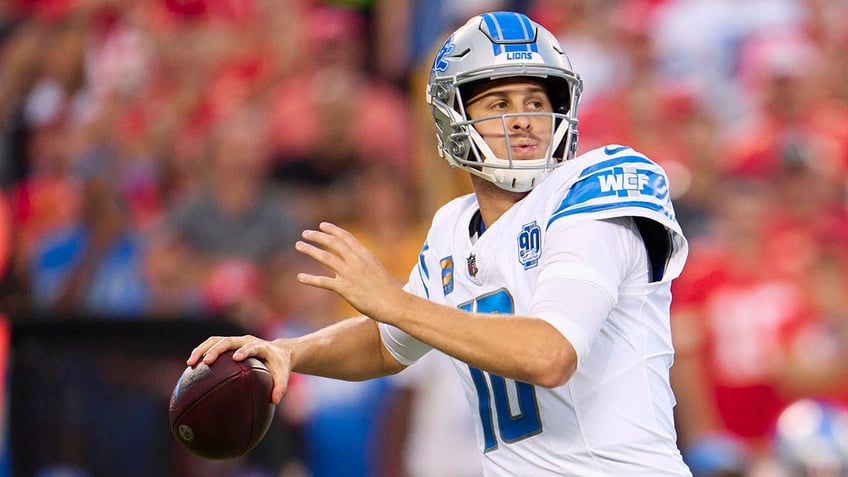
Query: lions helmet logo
column 440, row 64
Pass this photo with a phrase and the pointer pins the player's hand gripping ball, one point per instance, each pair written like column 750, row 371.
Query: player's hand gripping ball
column 222, row 410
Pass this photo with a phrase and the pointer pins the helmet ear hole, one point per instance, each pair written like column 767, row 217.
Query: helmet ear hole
column 459, row 148
column 442, row 92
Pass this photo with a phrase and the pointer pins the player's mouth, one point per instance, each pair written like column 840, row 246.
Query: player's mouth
column 524, row 148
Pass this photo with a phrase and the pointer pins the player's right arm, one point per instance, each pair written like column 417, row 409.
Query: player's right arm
column 351, row 350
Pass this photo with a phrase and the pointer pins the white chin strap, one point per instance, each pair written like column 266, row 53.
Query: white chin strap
column 515, row 180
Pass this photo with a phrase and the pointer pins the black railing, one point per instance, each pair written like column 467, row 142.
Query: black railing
column 93, row 395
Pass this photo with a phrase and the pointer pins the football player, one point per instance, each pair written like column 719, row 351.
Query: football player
column 549, row 285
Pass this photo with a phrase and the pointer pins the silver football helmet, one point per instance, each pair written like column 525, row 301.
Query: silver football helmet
column 493, row 46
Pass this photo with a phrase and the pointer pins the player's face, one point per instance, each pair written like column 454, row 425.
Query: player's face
column 528, row 136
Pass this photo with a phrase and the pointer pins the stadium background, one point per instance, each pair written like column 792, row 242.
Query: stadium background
column 159, row 157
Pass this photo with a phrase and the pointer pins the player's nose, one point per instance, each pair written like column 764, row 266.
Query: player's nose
column 520, row 123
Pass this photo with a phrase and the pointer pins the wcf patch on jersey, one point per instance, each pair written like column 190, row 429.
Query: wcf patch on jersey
column 529, row 245
column 446, row 264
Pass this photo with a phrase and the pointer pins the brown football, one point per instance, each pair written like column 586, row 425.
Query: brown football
column 223, row 410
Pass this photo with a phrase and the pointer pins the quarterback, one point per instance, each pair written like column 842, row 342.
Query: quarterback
column 549, row 285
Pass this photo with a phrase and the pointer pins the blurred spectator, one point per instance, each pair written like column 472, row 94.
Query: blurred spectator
column 694, row 146
column 647, row 104
column 19, row 67
column 5, row 233
column 6, row 243
column 817, row 350
column 45, row 198
column 828, row 30
column 736, row 304
column 721, row 380
column 232, row 62
column 94, row 265
column 334, row 116
column 792, row 123
column 341, row 422
column 209, row 253
column 696, row 42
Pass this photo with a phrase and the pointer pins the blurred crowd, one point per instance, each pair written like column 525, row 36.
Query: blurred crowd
column 158, row 159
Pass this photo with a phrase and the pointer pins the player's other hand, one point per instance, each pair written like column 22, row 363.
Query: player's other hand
column 275, row 355
column 357, row 275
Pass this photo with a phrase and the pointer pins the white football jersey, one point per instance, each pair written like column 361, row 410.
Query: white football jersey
column 614, row 416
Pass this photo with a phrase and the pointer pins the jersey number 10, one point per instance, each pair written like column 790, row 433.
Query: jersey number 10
column 518, row 415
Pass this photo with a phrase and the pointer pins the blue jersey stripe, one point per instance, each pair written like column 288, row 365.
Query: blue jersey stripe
column 423, row 271
column 607, row 206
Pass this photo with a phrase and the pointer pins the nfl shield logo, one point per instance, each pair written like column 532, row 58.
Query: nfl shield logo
column 472, row 265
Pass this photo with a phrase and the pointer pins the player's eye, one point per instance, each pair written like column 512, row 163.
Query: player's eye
column 537, row 105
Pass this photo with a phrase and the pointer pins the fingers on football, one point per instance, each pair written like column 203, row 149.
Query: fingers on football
column 200, row 351
column 209, row 350
column 277, row 365
column 245, row 347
